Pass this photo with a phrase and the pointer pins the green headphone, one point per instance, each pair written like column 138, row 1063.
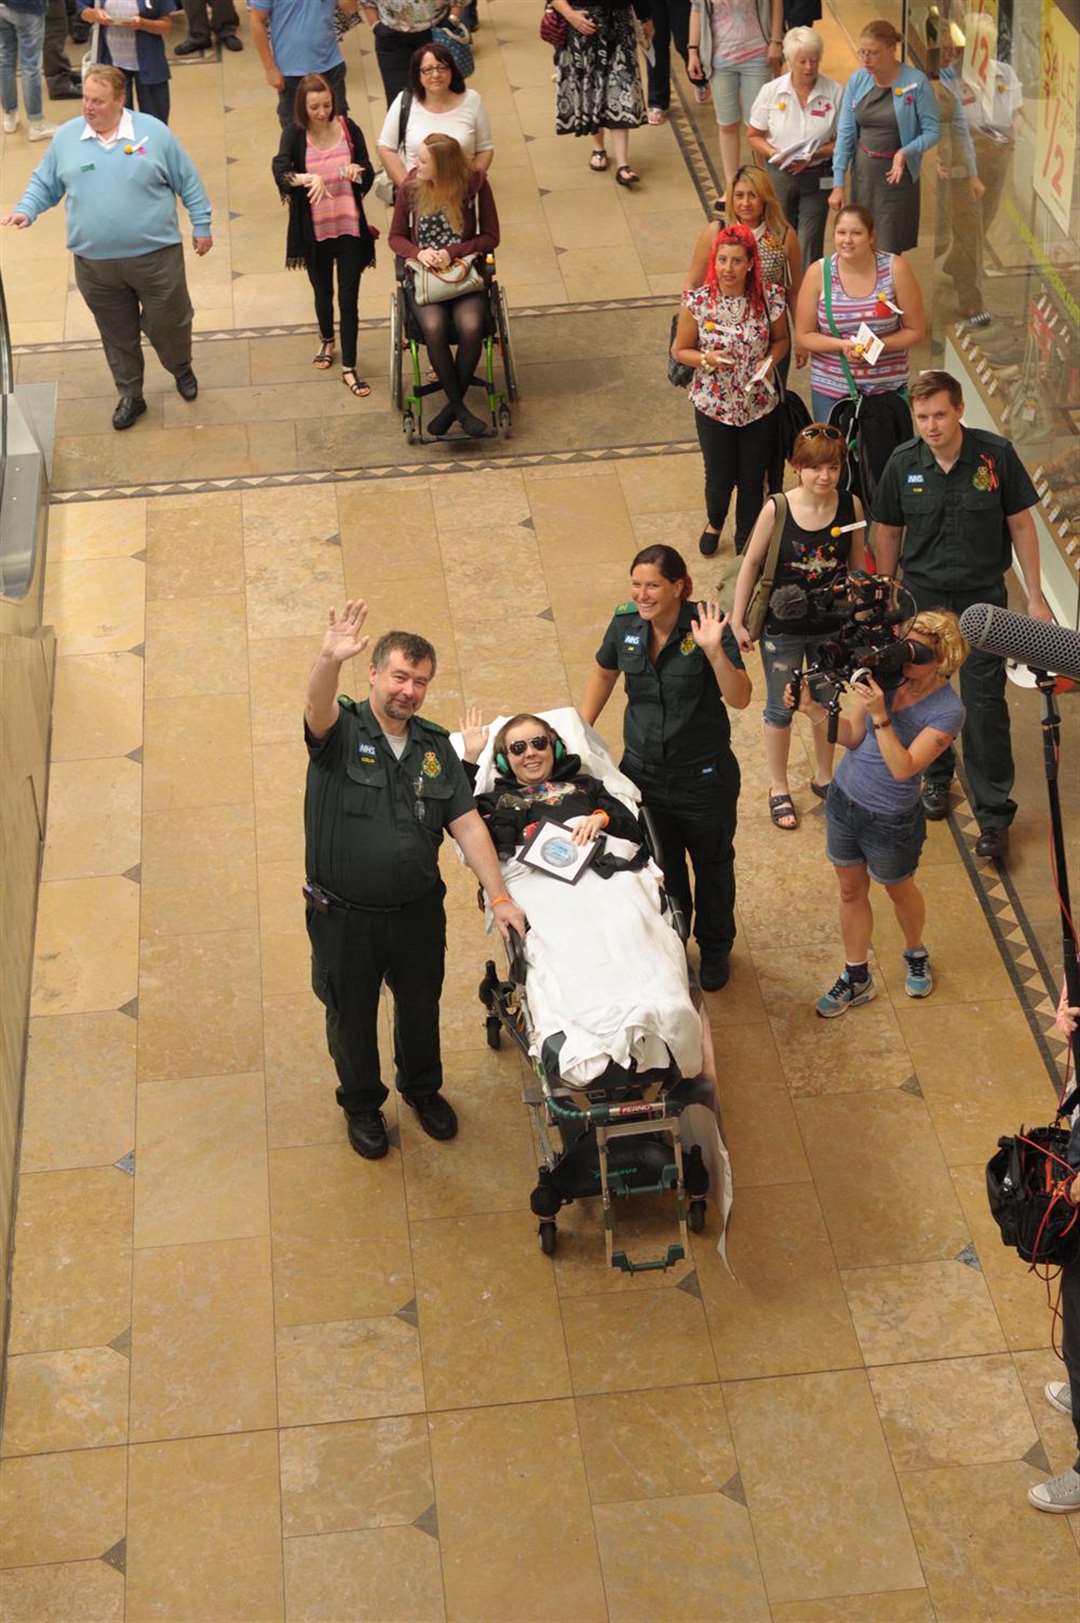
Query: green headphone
column 503, row 765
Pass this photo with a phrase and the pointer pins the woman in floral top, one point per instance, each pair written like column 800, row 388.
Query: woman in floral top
column 733, row 331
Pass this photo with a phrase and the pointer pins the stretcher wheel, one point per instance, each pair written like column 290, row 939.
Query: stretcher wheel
column 695, row 1217
column 493, row 1026
column 549, row 1236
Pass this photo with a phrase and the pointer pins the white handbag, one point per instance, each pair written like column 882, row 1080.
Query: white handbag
column 435, row 287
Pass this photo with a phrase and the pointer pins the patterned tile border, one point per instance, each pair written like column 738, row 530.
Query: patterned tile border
column 71, row 346
column 1032, row 978
column 389, row 470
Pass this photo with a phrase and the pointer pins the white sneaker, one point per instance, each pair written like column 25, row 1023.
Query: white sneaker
column 40, row 132
column 1058, row 1396
column 1060, row 1494
column 11, row 123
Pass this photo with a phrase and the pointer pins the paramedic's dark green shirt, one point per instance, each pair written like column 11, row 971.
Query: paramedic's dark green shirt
column 373, row 824
column 675, row 715
column 956, row 539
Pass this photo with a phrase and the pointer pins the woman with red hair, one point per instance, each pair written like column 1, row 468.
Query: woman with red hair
column 733, row 332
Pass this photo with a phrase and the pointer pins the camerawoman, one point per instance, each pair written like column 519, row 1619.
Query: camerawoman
column 875, row 823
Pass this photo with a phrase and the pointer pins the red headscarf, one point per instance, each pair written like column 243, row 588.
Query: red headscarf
column 740, row 236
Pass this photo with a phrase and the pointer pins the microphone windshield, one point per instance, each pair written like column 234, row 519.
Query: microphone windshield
column 1036, row 643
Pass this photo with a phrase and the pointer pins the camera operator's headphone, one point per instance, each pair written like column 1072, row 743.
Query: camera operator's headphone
column 503, row 765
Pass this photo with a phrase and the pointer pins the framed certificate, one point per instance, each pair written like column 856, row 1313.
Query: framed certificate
column 551, row 849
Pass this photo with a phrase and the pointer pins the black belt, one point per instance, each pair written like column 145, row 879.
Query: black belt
column 324, row 901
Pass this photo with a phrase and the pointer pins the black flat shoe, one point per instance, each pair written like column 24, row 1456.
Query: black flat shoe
column 128, row 408
column 231, row 43
column 715, row 971
column 708, row 543
column 187, row 385
column 189, row 47
column 993, row 844
column 935, row 801
column 368, row 1135
column 436, row 1115
column 443, row 423
column 474, row 426
column 68, row 92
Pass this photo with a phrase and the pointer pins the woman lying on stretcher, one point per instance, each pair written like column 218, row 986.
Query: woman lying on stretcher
column 538, row 780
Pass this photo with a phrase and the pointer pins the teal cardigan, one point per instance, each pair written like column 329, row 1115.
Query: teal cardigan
column 916, row 117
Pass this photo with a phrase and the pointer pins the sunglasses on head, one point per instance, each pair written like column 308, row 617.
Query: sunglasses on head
column 520, row 745
column 820, row 431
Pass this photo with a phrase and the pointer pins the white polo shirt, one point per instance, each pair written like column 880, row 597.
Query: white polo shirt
column 125, row 131
column 778, row 111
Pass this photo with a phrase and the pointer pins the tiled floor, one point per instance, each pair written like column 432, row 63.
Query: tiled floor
column 252, row 1375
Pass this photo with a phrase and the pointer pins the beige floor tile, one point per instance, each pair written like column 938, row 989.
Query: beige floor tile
column 194, row 545
column 62, row 1507
column 198, row 871
column 898, row 1606
column 655, row 484
column 884, row 1187
column 354, row 1370
column 644, row 1228
column 652, row 1445
column 489, row 1316
column 490, row 1166
column 97, row 706
column 621, row 1343
column 95, row 605
column 980, row 1073
column 502, row 1520
column 204, row 1530
column 967, row 963
column 1019, row 1298
column 279, row 831
column 200, row 1156
column 853, row 1055
column 199, row 1006
column 85, row 949
column 961, row 1411
column 706, row 1539
column 197, row 752
column 202, row 1355
column 985, row 1551
column 808, row 1502
column 65, row 1400
column 300, row 1076
column 285, row 961
column 93, row 827
column 784, row 1311
column 289, row 584
column 562, row 504
column 97, row 529
column 760, row 1128
column 301, row 516
column 195, row 645
column 1035, row 1370
column 919, row 1310
column 82, row 1591
column 279, row 668
column 388, row 1575
column 79, row 1108
column 360, row 1474
column 72, row 1273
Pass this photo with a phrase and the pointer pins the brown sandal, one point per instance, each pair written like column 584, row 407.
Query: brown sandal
column 783, row 806
column 358, row 386
column 626, row 176
column 324, row 360
column 599, row 160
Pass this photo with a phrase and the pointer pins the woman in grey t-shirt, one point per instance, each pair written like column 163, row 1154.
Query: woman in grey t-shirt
column 873, row 814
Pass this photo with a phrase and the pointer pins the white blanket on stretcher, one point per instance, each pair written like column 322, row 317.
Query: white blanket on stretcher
column 604, row 966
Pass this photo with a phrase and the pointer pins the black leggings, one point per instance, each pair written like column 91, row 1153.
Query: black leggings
column 346, row 252
column 437, row 323
column 736, row 459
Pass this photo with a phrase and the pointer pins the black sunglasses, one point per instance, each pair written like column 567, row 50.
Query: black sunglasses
column 520, row 745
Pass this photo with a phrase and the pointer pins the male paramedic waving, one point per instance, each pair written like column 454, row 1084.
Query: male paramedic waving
column 382, row 788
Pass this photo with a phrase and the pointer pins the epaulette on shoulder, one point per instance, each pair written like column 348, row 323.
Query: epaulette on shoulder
column 345, row 702
column 433, row 726
column 626, row 608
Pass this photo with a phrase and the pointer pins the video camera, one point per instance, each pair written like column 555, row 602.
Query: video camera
column 854, row 621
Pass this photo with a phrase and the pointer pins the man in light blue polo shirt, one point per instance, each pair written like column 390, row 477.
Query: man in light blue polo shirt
column 295, row 37
column 119, row 174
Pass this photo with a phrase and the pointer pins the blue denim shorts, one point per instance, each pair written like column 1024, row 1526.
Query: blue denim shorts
column 781, row 656
column 889, row 846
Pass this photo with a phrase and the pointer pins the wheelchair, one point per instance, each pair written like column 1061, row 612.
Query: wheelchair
column 408, row 360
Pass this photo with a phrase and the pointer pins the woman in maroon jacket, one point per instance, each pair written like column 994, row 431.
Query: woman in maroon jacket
column 445, row 211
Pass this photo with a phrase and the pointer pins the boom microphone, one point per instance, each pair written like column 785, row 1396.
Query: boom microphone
column 1035, row 643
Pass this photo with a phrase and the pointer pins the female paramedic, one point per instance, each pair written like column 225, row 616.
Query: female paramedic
column 682, row 667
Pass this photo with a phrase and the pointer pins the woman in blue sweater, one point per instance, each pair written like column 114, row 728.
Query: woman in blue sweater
column 131, row 36
column 888, row 119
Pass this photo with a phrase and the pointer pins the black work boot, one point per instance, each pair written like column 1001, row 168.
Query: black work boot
column 367, row 1133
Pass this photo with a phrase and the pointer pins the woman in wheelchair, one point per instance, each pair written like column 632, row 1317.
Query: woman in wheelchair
column 540, row 781
column 445, row 212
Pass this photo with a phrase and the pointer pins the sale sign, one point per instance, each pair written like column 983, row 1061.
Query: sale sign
column 1055, row 134
column 979, row 66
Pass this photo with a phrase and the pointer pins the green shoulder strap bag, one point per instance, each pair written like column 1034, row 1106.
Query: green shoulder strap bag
column 757, row 608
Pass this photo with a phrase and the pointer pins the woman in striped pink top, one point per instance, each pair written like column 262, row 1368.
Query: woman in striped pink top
column 879, row 290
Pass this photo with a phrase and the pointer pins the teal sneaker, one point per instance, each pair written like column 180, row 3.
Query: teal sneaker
column 845, row 995
column 918, row 981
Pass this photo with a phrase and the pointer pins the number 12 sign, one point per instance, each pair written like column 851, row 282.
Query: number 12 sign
column 1055, row 149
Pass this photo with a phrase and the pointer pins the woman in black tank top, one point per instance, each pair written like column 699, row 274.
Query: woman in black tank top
column 812, row 555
